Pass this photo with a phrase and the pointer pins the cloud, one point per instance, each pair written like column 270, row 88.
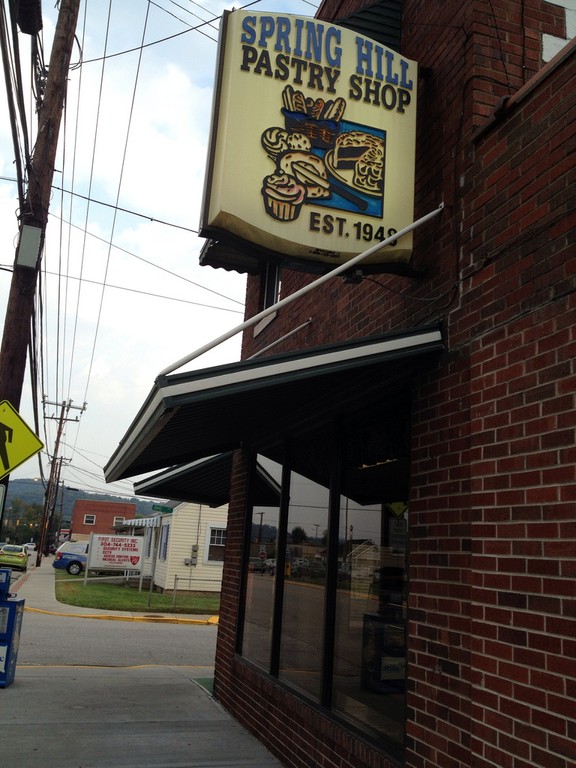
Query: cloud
column 135, row 135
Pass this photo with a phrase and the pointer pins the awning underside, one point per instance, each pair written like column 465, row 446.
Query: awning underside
column 263, row 402
column 206, row 482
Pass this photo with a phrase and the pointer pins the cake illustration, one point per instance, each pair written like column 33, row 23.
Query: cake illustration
column 363, row 153
column 283, row 196
column 309, row 170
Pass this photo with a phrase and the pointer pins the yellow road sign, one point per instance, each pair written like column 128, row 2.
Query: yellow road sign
column 17, row 441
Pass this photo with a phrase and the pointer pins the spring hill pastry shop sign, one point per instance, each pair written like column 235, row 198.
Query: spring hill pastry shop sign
column 313, row 142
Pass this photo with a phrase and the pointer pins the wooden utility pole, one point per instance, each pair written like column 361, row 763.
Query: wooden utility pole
column 20, row 309
column 34, row 216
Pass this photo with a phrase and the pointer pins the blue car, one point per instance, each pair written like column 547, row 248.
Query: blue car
column 71, row 556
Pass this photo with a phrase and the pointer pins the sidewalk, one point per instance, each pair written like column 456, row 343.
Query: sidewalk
column 37, row 588
column 144, row 716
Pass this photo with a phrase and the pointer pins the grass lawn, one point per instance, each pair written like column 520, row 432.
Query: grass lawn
column 119, row 597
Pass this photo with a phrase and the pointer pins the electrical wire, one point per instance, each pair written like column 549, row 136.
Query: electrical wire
column 119, row 187
column 149, row 293
column 108, row 242
column 66, row 342
column 11, row 87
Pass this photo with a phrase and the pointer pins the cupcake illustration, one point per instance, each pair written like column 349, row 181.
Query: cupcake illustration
column 283, row 196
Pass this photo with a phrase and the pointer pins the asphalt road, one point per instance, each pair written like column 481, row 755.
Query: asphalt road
column 55, row 640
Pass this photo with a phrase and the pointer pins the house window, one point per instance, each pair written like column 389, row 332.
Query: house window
column 149, row 538
column 217, row 544
column 118, row 521
column 329, row 618
column 89, row 519
column 164, row 537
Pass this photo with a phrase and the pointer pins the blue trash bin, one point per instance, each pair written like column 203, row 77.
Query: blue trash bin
column 11, row 613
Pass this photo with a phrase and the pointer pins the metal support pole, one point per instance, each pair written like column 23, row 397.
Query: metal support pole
column 306, row 289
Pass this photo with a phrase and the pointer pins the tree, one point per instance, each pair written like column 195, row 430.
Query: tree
column 299, row 535
column 22, row 522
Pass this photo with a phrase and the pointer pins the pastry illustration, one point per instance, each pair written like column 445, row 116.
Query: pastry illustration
column 309, row 170
column 319, row 157
column 283, row 196
column 277, row 140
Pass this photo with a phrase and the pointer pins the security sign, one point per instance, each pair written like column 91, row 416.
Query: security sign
column 17, row 441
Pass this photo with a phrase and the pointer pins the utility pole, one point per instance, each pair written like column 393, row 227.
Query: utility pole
column 34, row 216
column 52, row 488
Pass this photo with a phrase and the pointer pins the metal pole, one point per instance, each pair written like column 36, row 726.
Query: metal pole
column 302, row 292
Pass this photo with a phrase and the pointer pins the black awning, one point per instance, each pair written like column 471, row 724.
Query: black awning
column 258, row 403
column 206, row 481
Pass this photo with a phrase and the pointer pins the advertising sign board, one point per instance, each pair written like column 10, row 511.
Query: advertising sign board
column 313, row 141
column 115, row 553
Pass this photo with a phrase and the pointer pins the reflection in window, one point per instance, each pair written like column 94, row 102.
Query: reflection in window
column 332, row 624
column 261, row 578
column 370, row 651
column 304, row 586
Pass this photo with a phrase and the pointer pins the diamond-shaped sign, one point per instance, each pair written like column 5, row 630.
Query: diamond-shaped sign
column 17, row 441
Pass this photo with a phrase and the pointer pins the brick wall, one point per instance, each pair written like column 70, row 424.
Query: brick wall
column 103, row 511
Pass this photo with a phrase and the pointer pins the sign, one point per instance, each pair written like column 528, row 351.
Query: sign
column 115, row 553
column 312, row 149
column 160, row 508
column 17, row 441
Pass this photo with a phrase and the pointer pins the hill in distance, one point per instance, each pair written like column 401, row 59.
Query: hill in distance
column 31, row 491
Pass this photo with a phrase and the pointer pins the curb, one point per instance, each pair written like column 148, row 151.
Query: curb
column 211, row 620
column 115, row 617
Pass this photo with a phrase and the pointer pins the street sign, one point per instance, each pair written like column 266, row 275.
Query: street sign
column 17, row 441
column 160, row 508
column 397, row 508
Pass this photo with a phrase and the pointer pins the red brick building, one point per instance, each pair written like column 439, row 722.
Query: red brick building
column 90, row 516
column 426, row 425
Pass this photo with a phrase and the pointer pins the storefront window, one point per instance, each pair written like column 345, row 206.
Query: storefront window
column 261, row 578
column 330, row 622
column 370, row 650
column 304, row 586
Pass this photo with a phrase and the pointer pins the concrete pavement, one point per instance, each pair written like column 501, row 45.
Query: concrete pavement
column 148, row 716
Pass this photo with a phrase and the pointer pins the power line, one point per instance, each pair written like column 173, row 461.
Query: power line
column 145, row 293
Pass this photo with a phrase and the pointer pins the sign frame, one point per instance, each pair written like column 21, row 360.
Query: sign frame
column 315, row 225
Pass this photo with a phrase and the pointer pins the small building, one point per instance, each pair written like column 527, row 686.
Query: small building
column 184, row 549
column 91, row 516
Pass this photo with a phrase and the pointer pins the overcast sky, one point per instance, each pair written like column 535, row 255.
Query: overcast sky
column 123, row 293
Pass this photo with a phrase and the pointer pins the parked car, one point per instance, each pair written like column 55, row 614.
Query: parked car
column 30, row 546
column 256, row 564
column 71, row 556
column 14, row 556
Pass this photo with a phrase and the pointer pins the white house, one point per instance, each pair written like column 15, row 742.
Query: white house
column 184, row 549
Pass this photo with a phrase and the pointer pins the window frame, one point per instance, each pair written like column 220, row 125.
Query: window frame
column 327, row 701
column 210, row 529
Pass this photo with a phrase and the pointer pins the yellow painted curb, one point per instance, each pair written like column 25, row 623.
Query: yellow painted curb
column 116, row 617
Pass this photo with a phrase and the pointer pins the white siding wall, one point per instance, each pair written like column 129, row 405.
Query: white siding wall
column 189, row 526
